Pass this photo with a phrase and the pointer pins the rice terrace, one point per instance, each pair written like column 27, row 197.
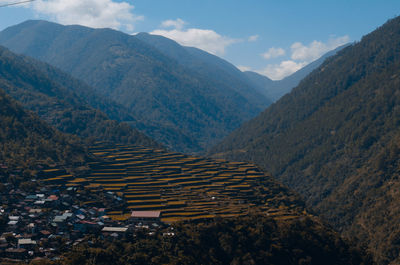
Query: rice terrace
column 181, row 187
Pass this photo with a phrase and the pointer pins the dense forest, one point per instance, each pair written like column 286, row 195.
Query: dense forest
column 54, row 97
column 26, row 141
column 334, row 139
column 254, row 239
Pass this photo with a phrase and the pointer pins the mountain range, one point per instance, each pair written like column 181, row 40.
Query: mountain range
column 53, row 96
column 29, row 145
column 182, row 97
column 335, row 139
column 185, row 109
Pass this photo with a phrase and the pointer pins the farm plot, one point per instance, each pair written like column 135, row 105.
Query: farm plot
column 181, row 187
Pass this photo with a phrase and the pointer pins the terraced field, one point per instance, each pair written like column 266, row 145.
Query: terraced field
column 181, row 187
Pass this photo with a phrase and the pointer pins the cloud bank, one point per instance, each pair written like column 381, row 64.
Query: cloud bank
column 91, row 13
column 316, row 48
column 204, row 39
column 177, row 24
column 244, row 68
column 253, row 38
column 300, row 56
column 280, row 71
column 273, row 53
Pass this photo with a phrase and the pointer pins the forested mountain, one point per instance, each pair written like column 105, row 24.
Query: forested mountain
column 218, row 71
column 26, row 141
column 83, row 92
column 274, row 90
column 335, row 138
column 179, row 106
column 281, row 236
column 58, row 103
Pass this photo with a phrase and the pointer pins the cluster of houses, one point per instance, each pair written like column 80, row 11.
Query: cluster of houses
column 47, row 222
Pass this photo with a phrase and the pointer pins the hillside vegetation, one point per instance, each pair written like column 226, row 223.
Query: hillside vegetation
column 179, row 106
column 53, row 95
column 219, row 73
column 26, row 141
column 254, row 239
column 335, row 139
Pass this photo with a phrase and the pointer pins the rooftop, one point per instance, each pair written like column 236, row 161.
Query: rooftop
column 26, row 241
column 114, row 229
column 145, row 214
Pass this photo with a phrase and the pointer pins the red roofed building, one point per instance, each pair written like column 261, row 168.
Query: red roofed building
column 146, row 216
column 53, row 197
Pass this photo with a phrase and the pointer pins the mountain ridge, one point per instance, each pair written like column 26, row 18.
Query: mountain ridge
column 60, row 105
column 277, row 89
column 207, row 65
column 334, row 140
column 179, row 107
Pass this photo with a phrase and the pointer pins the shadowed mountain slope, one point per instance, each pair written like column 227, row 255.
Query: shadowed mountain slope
column 58, row 103
column 26, row 141
column 335, row 139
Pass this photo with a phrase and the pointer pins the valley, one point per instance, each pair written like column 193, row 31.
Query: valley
column 126, row 147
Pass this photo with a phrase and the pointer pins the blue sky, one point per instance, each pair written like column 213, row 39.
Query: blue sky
column 274, row 38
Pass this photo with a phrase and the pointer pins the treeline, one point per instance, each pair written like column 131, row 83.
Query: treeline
column 254, row 239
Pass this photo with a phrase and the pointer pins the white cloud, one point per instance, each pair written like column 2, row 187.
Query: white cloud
column 204, row 39
column 300, row 56
column 253, row 38
column 316, row 48
column 91, row 13
column 177, row 24
column 244, row 68
column 285, row 68
column 273, row 53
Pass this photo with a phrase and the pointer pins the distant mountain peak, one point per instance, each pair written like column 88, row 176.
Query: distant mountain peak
column 276, row 89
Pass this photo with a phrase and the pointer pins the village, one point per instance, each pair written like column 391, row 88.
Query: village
column 131, row 190
column 46, row 223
